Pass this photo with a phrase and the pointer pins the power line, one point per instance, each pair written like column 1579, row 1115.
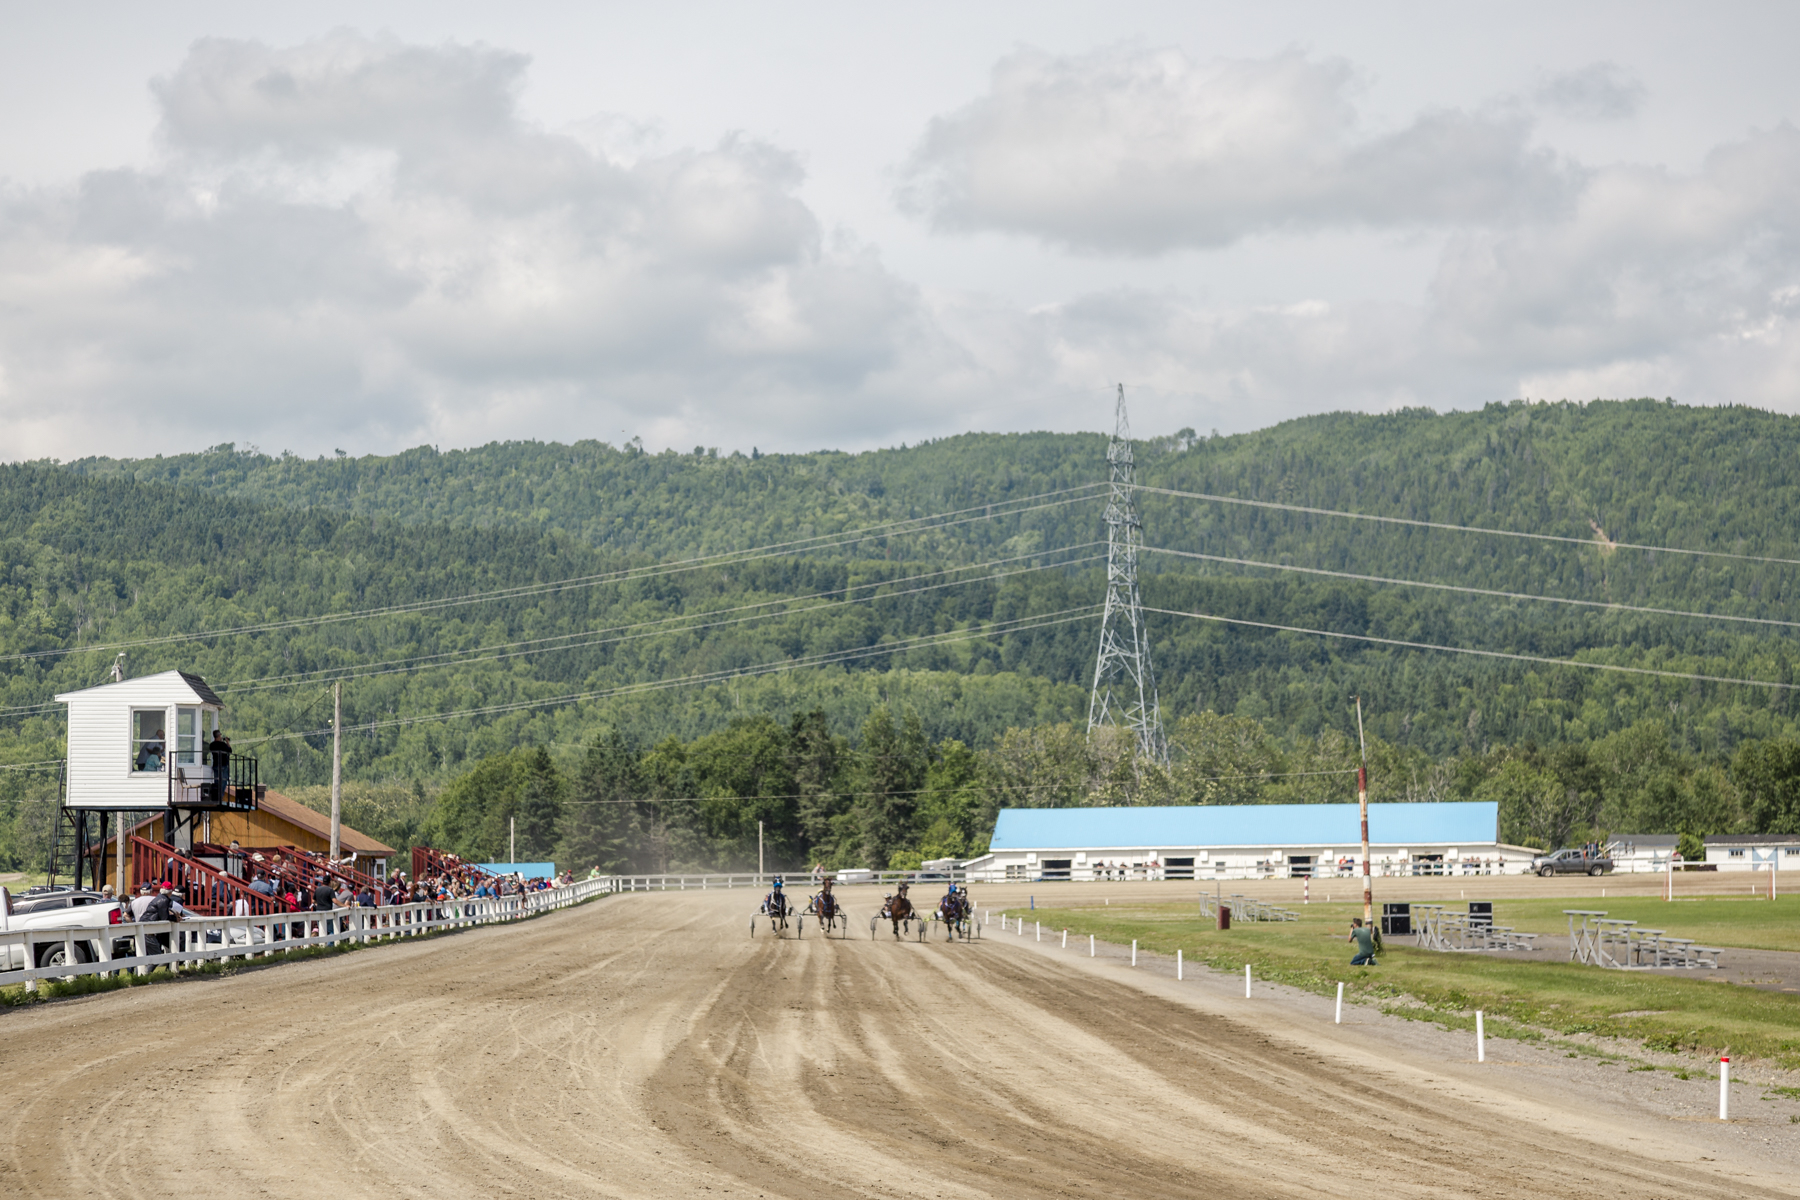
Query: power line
column 1018, row 625
column 986, row 787
column 604, row 636
column 725, row 557
column 1474, row 591
column 1532, row 658
column 1595, row 542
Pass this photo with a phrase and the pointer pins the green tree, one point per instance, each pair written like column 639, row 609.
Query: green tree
column 600, row 823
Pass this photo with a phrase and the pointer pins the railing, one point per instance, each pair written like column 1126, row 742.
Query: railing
column 429, row 862
column 307, row 867
column 199, row 940
column 200, row 785
column 203, row 890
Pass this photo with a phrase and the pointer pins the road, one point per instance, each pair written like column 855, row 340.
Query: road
column 645, row 1046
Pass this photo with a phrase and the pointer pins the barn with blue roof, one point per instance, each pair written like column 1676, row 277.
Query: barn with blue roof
column 1246, row 841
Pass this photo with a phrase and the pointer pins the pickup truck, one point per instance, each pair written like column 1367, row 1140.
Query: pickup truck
column 90, row 912
column 1572, row 862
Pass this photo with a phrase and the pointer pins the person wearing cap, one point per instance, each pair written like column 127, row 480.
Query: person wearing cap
column 141, row 901
column 160, row 908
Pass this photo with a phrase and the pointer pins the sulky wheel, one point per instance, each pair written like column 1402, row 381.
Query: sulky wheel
column 873, row 922
column 752, row 926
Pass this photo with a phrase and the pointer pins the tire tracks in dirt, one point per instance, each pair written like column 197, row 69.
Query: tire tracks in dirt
column 644, row 1047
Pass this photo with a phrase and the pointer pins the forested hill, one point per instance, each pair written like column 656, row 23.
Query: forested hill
column 967, row 629
column 1644, row 470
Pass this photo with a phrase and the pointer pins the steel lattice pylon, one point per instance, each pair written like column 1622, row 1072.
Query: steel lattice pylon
column 1124, row 682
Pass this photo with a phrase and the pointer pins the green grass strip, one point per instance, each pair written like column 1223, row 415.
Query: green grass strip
column 1520, row 998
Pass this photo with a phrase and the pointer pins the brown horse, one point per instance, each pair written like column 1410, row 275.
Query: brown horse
column 898, row 909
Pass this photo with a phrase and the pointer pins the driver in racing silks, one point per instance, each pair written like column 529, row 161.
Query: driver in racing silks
column 956, row 902
column 775, row 903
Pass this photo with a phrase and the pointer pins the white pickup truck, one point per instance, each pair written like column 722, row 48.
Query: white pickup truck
column 91, row 914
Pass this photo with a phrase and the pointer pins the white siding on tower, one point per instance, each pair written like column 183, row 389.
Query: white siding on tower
column 100, row 741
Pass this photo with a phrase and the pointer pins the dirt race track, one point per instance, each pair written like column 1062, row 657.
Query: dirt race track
column 645, row 1046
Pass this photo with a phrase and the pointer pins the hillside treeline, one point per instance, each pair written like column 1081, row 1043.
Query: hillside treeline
column 981, row 626
column 893, row 797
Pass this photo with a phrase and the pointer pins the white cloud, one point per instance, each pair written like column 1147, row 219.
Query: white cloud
column 360, row 242
column 364, row 237
column 1131, row 151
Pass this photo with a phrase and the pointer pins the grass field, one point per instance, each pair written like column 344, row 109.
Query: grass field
column 1521, row 998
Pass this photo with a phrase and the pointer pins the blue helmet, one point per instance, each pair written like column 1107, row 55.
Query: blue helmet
column 778, row 881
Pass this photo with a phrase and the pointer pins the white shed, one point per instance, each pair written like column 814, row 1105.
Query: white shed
column 141, row 743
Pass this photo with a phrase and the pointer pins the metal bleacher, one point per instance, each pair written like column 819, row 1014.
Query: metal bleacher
column 1437, row 928
column 1245, row 908
column 1620, row 945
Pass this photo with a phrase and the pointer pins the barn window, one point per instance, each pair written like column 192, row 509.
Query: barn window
column 149, row 741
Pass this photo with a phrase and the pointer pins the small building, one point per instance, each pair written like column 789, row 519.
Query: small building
column 139, row 744
column 1246, row 841
column 1753, row 851
column 151, row 747
column 1642, row 851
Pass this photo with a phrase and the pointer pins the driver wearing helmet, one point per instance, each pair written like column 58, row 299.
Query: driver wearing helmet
column 776, row 902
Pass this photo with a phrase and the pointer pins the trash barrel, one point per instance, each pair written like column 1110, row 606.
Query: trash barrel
column 1224, row 917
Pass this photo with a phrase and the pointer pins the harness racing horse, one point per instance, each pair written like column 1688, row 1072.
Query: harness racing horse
column 775, row 910
column 825, row 909
column 954, row 911
column 898, row 909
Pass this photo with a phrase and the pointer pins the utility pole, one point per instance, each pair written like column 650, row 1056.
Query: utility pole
column 1362, row 800
column 1124, row 690
column 512, row 840
column 337, row 765
column 759, row 848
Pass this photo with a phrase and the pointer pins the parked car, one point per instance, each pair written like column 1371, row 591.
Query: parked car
column 1573, row 861
column 61, row 908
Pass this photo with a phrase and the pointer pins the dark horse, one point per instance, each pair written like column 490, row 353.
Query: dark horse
column 825, row 908
column 953, row 911
column 898, row 909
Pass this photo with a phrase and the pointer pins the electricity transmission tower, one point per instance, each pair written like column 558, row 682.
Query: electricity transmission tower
column 1124, row 683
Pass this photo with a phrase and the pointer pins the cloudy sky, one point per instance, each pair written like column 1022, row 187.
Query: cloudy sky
column 372, row 226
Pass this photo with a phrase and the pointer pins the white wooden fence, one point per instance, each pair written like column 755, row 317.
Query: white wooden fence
column 199, row 940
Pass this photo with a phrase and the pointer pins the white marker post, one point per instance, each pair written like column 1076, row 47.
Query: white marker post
column 1039, row 926
column 1178, row 966
column 1065, row 939
column 1090, row 945
column 1724, row 1087
column 1480, row 1038
column 1134, row 952
column 1340, row 1007
column 1246, row 981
